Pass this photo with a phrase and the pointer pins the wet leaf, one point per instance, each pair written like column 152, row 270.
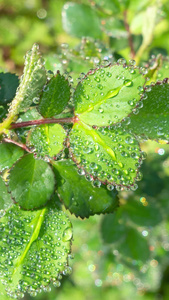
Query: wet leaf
column 5, row 199
column 109, row 6
column 78, row 195
column 55, row 96
column 9, row 154
column 152, row 120
column 108, row 154
column 47, row 139
column 34, row 248
column 31, row 182
column 31, row 84
column 77, row 20
column 107, row 95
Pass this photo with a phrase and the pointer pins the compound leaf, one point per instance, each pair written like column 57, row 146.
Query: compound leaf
column 108, row 154
column 107, row 95
column 9, row 154
column 55, row 96
column 77, row 20
column 152, row 120
column 47, row 139
column 31, row 182
column 34, row 248
column 5, row 199
column 78, row 195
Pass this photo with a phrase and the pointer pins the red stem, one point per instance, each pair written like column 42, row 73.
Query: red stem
column 41, row 122
column 130, row 40
column 18, row 144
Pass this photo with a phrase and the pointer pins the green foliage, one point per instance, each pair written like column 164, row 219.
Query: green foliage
column 28, row 259
column 74, row 142
column 31, row 182
column 78, row 195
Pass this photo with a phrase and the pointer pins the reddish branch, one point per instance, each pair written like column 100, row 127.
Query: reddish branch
column 24, row 147
column 41, row 122
column 130, row 40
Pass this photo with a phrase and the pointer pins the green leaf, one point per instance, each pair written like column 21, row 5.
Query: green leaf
column 108, row 154
column 107, row 95
column 47, row 139
column 134, row 246
column 77, row 20
column 55, row 96
column 31, row 182
column 8, row 85
column 5, row 199
column 32, row 82
column 112, row 228
column 152, row 120
column 149, row 215
column 78, row 195
column 110, row 7
column 9, row 154
column 114, row 28
column 34, row 249
column 163, row 71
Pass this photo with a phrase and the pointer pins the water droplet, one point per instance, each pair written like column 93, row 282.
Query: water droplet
column 67, row 234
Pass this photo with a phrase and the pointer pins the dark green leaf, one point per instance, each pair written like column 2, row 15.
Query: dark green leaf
column 9, row 154
column 34, row 248
column 108, row 154
column 134, row 246
column 77, row 20
column 107, row 95
column 31, row 182
column 112, row 228
column 78, row 195
column 152, row 120
column 8, row 85
column 55, row 96
column 47, row 139
column 5, row 199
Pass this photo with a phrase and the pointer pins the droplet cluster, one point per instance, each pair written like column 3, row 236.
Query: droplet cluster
column 31, row 269
column 107, row 154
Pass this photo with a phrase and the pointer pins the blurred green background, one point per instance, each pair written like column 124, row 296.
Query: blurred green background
column 126, row 254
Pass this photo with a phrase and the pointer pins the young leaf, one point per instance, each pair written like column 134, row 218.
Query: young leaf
column 9, row 154
column 30, row 86
column 55, row 96
column 107, row 95
column 47, row 139
column 108, row 154
column 152, row 120
column 31, row 182
column 5, row 199
column 77, row 20
column 78, row 195
column 34, row 249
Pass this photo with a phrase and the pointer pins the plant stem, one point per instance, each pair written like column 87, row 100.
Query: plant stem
column 41, row 122
column 130, row 40
column 18, row 144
